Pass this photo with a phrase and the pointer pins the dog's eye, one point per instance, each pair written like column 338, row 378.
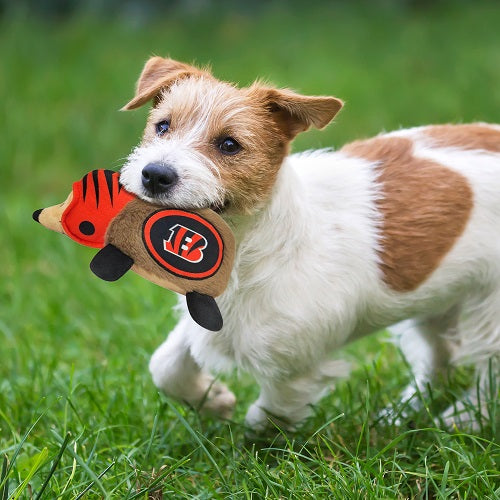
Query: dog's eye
column 162, row 127
column 229, row 146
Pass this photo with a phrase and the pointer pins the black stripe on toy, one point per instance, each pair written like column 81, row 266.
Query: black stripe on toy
column 95, row 177
column 108, row 175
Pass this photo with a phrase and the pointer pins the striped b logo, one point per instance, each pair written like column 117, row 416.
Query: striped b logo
column 185, row 243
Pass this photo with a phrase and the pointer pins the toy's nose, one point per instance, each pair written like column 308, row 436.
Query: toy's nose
column 36, row 214
column 158, row 178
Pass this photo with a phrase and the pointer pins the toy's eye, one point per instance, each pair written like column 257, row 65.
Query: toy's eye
column 229, row 146
column 86, row 228
column 162, row 127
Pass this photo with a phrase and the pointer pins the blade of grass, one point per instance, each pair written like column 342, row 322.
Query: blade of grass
column 4, row 490
column 54, row 465
column 71, row 476
column 164, row 473
column 18, row 449
column 10, row 425
column 40, row 459
column 444, row 479
column 324, row 426
column 80, row 495
column 153, row 431
column 196, row 437
column 82, row 464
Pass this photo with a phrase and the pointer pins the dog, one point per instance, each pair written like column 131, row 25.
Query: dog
column 401, row 229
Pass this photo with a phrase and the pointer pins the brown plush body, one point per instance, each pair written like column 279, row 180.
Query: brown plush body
column 125, row 230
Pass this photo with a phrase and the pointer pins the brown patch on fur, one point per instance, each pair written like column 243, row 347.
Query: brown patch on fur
column 295, row 113
column 249, row 176
column 475, row 136
column 159, row 73
column 425, row 208
column 270, row 118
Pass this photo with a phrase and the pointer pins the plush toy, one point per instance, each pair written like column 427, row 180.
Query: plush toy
column 189, row 252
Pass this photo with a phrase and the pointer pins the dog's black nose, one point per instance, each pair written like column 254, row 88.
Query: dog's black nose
column 157, row 178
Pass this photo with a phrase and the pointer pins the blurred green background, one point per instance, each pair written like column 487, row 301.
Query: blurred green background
column 77, row 348
column 395, row 63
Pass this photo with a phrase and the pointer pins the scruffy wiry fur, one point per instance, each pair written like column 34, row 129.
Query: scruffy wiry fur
column 324, row 241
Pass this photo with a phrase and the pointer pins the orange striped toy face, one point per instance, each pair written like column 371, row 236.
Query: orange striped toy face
column 97, row 199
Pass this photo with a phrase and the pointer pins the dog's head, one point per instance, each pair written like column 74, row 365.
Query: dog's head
column 208, row 143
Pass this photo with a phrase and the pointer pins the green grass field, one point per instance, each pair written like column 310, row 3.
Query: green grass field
column 79, row 415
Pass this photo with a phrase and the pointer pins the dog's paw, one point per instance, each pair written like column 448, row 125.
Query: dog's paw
column 261, row 421
column 219, row 401
column 256, row 419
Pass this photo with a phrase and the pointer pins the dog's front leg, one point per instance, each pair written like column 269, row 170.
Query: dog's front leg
column 177, row 374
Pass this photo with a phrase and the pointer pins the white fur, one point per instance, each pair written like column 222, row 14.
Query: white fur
column 198, row 186
column 306, row 281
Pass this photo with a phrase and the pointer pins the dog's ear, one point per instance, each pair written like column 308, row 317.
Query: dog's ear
column 159, row 73
column 295, row 113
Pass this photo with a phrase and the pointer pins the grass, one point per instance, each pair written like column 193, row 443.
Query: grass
column 79, row 415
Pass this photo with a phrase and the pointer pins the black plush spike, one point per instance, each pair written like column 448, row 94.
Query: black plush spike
column 204, row 310
column 110, row 263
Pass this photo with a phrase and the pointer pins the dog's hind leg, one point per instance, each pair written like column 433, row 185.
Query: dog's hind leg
column 475, row 404
column 177, row 374
column 426, row 347
column 478, row 343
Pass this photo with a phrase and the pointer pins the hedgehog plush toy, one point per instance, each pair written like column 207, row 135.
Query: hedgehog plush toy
column 189, row 252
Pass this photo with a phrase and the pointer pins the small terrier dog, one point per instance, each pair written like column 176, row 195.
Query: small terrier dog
column 403, row 229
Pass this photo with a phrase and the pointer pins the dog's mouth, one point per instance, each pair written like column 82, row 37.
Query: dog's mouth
column 219, row 207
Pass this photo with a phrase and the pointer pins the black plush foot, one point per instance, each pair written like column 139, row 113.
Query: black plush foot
column 110, row 263
column 204, row 310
